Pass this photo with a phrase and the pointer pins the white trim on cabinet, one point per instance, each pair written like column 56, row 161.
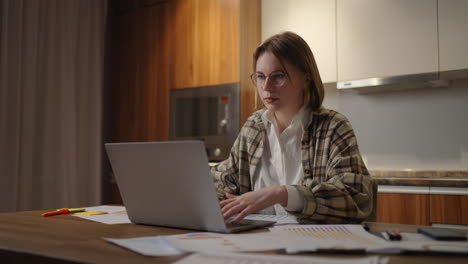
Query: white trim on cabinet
column 422, row 190
column 449, row 190
column 403, row 189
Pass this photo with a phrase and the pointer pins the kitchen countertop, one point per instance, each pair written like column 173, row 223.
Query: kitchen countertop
column 436, row 178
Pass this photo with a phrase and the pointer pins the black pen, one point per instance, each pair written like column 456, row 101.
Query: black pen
column 393, row 235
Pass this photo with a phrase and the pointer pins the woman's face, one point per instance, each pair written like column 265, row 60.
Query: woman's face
column 281, row 89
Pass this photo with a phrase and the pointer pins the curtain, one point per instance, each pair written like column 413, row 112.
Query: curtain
column 51, row 87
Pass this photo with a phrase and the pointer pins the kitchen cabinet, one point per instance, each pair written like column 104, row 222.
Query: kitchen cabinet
column 378, row 38
column 422, row 205
column 449, row 206
column 163, row 45
column 404, row 205
column 250, row 39
column 313, row 20
column 449, row 209
column 158, row 45
column 366, row 39
column 453, row 34
column 205, row 42
column 212, row 43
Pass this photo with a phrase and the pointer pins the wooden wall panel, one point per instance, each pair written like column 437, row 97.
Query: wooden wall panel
column 140, row 85
column 205, row 42
column 122, row 6
column 403, row 208
column 449, row 209
column 250, row 39
column 216, row 42
column 181, row 64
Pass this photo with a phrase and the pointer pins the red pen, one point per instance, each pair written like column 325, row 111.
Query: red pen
column 64, row 211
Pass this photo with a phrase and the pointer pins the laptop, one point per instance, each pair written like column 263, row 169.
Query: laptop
column 169, row 184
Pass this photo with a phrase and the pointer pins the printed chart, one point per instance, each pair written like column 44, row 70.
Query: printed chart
column 343, row 233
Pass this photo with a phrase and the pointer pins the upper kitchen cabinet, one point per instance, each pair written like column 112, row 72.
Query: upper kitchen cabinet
column 380, row 38
column 212, row 43
column 453, row 34
column 313, row 20
column 205, row 44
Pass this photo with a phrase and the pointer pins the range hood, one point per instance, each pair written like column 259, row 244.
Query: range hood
column 431, row 79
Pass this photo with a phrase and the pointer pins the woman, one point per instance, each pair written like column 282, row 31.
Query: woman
column 294, row 156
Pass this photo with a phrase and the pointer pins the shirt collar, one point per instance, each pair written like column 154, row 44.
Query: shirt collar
column 304, row 116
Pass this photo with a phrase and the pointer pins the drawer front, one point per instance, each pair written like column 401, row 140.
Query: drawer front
column 449, row 209
column 403, row 208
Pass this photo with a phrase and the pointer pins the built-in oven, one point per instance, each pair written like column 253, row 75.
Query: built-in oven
column 209, row 113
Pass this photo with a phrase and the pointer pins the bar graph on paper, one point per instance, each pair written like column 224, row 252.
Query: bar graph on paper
column 349, row 233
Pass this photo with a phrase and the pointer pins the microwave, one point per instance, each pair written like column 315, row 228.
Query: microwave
column 208, row 113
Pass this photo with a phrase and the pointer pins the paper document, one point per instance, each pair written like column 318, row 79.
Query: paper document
column 292, row 238
column 274, row 259
column 149, row 246
column 106, row 208
column 354, row 237
column 302, row 238
column 215, row 242
column 279, row 219
column 115, row 215
column 198, row 242
column 322, row 237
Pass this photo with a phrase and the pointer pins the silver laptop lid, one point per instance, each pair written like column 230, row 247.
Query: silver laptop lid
column 167, row 184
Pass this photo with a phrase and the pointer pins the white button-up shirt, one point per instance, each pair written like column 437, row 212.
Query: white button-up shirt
column 281, row 162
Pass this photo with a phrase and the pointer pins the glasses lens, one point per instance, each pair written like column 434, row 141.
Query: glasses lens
column 253, row 77
column 278, row 78
column 258, row 79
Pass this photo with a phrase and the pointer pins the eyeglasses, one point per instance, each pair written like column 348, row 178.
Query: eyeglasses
column 277, row 78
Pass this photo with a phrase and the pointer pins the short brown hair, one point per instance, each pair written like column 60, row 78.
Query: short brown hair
column 290, row 47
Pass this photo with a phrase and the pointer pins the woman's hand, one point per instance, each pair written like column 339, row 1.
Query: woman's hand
column 253, row 202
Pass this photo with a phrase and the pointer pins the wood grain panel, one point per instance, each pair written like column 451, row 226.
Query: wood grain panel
column 122, row 6
column 403, row 208
column 250, row 39
column 140, row 85
column 205, row 42
column 69, row 239
column 122, row 57
column 449, row 209
column 180, row 23
column 175, row 44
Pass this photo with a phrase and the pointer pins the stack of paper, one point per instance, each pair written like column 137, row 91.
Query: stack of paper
column 292, row 238
column 114, row 215
column 274, row 259
column 279, row 219
column 328, row 237
column 215, row 242
column 149, row 246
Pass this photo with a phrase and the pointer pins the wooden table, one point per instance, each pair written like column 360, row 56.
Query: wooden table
column 27, row 237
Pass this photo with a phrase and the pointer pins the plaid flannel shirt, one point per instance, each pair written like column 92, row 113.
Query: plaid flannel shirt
column 336, row 187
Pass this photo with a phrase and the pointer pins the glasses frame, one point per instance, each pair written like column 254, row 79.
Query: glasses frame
column 267, row 76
